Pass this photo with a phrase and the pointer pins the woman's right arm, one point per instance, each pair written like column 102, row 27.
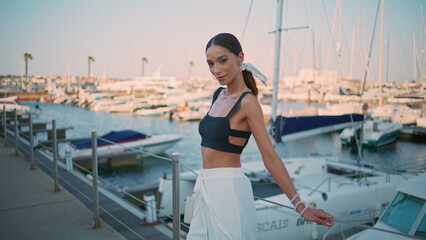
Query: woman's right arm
column 275, row 165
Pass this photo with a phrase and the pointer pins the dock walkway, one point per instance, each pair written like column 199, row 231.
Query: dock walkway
column 29, row 209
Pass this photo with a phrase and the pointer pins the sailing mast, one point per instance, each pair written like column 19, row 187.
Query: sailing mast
column 421, row 57
column 382, row 18
column 414, row 59
column 276, row 79
column 277, row 60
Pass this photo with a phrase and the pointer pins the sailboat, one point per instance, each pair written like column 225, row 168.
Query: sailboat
column 323, row 182
column 291, row 128
column 375, row 132
column 287, row 128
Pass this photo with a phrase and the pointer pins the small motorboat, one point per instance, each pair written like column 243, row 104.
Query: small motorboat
column 122, row 142
column 377, row 133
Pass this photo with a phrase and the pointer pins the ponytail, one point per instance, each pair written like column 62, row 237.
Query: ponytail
column 250, row 82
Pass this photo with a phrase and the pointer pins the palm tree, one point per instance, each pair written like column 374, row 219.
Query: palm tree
column 89, row 59
column 27, row 56
column 144, row 60
column 191, row 64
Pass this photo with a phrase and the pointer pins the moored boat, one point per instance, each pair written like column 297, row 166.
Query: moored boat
column 324, row 183
column 376, row 133
column 125, row 141
column 9, row 103
column 290, row 128
column 405, row 217
column 153, row 111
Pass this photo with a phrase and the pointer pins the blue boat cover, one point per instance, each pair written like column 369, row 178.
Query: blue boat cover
column 117, row 137
column 288, row 125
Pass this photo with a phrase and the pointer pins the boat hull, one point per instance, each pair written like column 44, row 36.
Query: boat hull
column 291, row 128
column 155, row 144
column 382, row 140
column 377, row 133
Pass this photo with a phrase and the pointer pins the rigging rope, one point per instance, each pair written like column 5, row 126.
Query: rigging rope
column 246, row 22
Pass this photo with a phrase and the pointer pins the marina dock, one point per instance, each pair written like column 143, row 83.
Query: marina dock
column 31, row 209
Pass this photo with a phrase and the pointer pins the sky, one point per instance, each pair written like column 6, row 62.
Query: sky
column 60, row 35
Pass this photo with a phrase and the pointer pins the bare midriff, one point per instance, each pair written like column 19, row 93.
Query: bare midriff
column 219, row 159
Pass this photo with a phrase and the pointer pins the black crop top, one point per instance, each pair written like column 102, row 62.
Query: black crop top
column 215, row 131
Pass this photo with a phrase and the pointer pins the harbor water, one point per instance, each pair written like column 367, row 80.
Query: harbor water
column 403, row 154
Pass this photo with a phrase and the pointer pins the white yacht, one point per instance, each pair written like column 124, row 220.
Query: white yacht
column 405, row 217
column 397, row 113
column 346, row 190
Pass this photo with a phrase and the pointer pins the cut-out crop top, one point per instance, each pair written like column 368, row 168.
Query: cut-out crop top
column 215, row 131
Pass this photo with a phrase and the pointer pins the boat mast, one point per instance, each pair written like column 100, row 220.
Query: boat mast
column 421, row 58
column 382, row 17
column 277, row 31
column 414, row 59
column 277, row 59
column 421, row 46
column 351, row 67
column 387, row 59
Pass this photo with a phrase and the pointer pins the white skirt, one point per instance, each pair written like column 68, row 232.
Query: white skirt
column 224, row 206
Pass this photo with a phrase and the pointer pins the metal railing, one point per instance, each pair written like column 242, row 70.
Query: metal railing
column 176, row 168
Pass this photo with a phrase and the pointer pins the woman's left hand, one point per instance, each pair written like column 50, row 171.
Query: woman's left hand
column 319, row 216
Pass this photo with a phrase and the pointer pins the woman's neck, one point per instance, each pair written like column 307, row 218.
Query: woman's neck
column 236, row 86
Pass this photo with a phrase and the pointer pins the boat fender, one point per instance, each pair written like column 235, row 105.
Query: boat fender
column 324, row 196
column 161, row 185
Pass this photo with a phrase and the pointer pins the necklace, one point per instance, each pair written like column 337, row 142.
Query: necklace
column 234, row 95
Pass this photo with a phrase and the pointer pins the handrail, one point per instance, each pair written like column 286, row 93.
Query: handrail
column 319, row 185
column 329, row 181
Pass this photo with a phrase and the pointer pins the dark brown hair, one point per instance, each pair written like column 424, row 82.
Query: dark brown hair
column 230, row 42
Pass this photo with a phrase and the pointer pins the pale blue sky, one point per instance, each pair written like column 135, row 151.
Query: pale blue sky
column 173, row 33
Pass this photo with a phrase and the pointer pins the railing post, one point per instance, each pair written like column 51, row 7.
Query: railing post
column 5, row 125
column 16, row 133
column 32, row 167
column 55, row 157
column 176, row 182
column 96, row 222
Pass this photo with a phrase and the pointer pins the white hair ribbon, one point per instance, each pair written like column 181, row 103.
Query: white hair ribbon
column 249, row 67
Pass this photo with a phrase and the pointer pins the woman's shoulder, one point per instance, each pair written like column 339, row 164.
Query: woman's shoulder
column 249, row 100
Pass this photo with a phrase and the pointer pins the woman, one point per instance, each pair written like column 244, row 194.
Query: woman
column 224, row 206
